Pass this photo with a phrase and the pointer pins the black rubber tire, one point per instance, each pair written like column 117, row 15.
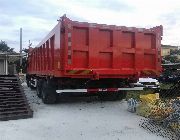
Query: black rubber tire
column 31, row 86
column 49, row 95
column 28, row 83
column 39, row 88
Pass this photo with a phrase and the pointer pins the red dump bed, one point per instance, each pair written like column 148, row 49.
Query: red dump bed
column 89, row 50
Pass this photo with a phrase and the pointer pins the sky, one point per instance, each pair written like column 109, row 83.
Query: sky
column 38, row 17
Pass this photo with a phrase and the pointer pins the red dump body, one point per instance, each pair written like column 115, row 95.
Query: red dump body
column 89, row 50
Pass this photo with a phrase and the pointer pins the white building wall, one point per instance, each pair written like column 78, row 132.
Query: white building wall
column 3, row 65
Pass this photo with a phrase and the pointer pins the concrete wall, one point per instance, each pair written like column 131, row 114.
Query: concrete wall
column 3, row 66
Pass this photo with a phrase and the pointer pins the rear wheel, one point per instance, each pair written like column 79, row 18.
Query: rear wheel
column 39, row 88
column 49, row 95
column 28, row 83
column 31, row 86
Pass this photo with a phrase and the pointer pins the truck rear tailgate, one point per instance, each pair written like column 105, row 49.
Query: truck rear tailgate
column 109, row 50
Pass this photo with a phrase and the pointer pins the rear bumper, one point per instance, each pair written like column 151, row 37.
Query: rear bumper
column 97, row 90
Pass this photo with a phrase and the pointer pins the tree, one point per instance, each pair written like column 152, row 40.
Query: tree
column 172, row 59
column 23, row 66
column 174, row 52
column 24, row 62
column 25, row 50
column 4, row 47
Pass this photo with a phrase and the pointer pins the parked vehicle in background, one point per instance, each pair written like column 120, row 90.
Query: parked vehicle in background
column 146, row 83
column 93, row 59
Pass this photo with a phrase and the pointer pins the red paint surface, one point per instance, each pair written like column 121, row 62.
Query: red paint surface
column 109, row 51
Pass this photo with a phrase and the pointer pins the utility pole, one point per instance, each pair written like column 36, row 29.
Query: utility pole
column 29, row 44
column 20, row 47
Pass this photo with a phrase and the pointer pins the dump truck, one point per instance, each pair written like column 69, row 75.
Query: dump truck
column 93, row 59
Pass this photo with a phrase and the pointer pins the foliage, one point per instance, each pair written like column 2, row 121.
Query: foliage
column 4, row 47
column 174, row 52
column 23, row 66
column 172, row 58
column 24, row 62
column 165, row 86
column 15, row 59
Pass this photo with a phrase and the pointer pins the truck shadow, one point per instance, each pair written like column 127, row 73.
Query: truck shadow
column 81, row 98
column 75, row 99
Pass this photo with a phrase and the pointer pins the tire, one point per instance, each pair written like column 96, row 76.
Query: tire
column 31, row 86
column 39, row 88
column 49, row 95
column 28, row 83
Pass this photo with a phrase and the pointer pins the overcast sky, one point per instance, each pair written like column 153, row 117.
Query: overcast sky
column 38, row 17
